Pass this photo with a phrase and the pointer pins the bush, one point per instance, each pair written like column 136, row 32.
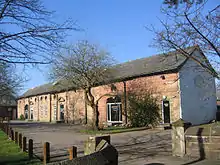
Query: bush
column 143, row 109
column 22, row 117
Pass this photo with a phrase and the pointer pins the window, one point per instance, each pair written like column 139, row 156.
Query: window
column 114, row 110
column 45, row 97
column 26, row 111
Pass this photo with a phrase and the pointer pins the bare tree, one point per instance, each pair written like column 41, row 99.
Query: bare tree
column 176, row 3
column 83, row 66
column 189, row 25
column 28, row 34
column 10, row 82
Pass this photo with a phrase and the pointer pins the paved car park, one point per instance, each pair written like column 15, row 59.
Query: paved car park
column 147, row 147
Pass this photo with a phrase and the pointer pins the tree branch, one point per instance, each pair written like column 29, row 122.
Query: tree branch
column 197, row 30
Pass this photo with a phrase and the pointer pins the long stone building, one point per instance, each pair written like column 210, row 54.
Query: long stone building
column 185, row 90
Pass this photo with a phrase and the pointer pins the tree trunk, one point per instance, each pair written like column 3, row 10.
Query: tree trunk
column 90, row 100
column 95, row 117
column 86, row 118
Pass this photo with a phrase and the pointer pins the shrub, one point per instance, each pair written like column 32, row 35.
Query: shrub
column 143, row 109
column 22, row 117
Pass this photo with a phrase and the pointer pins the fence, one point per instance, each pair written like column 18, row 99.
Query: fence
column 27, row 145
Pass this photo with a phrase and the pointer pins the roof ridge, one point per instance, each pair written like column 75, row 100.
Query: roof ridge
column 156, row 55
column 141, row 66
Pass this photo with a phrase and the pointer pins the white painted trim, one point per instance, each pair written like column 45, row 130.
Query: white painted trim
column 180, row 98
column 31, row 113
column 109, row 121
column 115, row 103
column 115, row 121
column 162, row 112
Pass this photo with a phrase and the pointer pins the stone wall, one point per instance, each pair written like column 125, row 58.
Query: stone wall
column 203, row 146
column 203, row 142
column 74, row 103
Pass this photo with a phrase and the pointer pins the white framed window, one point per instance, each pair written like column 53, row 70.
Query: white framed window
column 114, row 110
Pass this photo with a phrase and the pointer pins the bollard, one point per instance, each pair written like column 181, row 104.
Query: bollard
column 6, row 129
column 92, row 143
column 9, row 132
column 16, row 137
column 72, row 152
column 20, row 140
column 46, row 153
column 12, row 135
column 24, row 143
column 4, row 125
column 30, row 148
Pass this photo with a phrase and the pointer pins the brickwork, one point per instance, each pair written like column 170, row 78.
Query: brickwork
column 47, row 107
column 218, row 102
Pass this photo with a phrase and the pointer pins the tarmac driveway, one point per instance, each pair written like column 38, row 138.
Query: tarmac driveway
column 146, row 147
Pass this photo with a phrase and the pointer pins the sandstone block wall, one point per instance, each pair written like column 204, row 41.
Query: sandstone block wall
column 203, row 147
column 203, row 141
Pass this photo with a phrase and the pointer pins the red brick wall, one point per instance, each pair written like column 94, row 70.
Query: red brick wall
column 74, row 104
column 218, row 102
column 168, row 87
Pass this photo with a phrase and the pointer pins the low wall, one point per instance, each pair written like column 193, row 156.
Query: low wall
column 106, row 156
column 203, row 142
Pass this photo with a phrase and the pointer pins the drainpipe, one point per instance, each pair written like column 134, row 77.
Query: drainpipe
column 67, row 113
column 38, row 118
column 28, row 108
column 125, row 102
column 86, row 119
column 50, row 107
column 57, row 107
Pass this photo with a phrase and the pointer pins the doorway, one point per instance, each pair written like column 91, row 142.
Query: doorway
column 61, row 112
column 31, row 113
column 166, row 111
column 26, row 111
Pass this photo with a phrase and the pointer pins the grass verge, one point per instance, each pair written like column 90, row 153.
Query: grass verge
column 112, row 130
column 11, row 154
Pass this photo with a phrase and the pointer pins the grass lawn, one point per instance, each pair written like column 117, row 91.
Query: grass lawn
column 11, row 154
column 112, row 130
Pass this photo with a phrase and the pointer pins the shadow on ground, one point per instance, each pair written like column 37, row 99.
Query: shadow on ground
column 145, row 146
column 16, row 161
column 200, row 146
column 155, row 164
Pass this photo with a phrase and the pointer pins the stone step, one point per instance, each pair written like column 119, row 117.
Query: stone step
column 163, row 126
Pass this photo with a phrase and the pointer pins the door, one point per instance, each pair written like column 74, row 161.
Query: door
column 61, row 112
column 31, row 113
column 115, row 112
column 166, row 111
column 26, row 111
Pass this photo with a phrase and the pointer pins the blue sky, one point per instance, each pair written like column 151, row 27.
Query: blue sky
column 117, row 26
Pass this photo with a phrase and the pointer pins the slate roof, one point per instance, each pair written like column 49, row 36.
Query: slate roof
column 156, row 64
